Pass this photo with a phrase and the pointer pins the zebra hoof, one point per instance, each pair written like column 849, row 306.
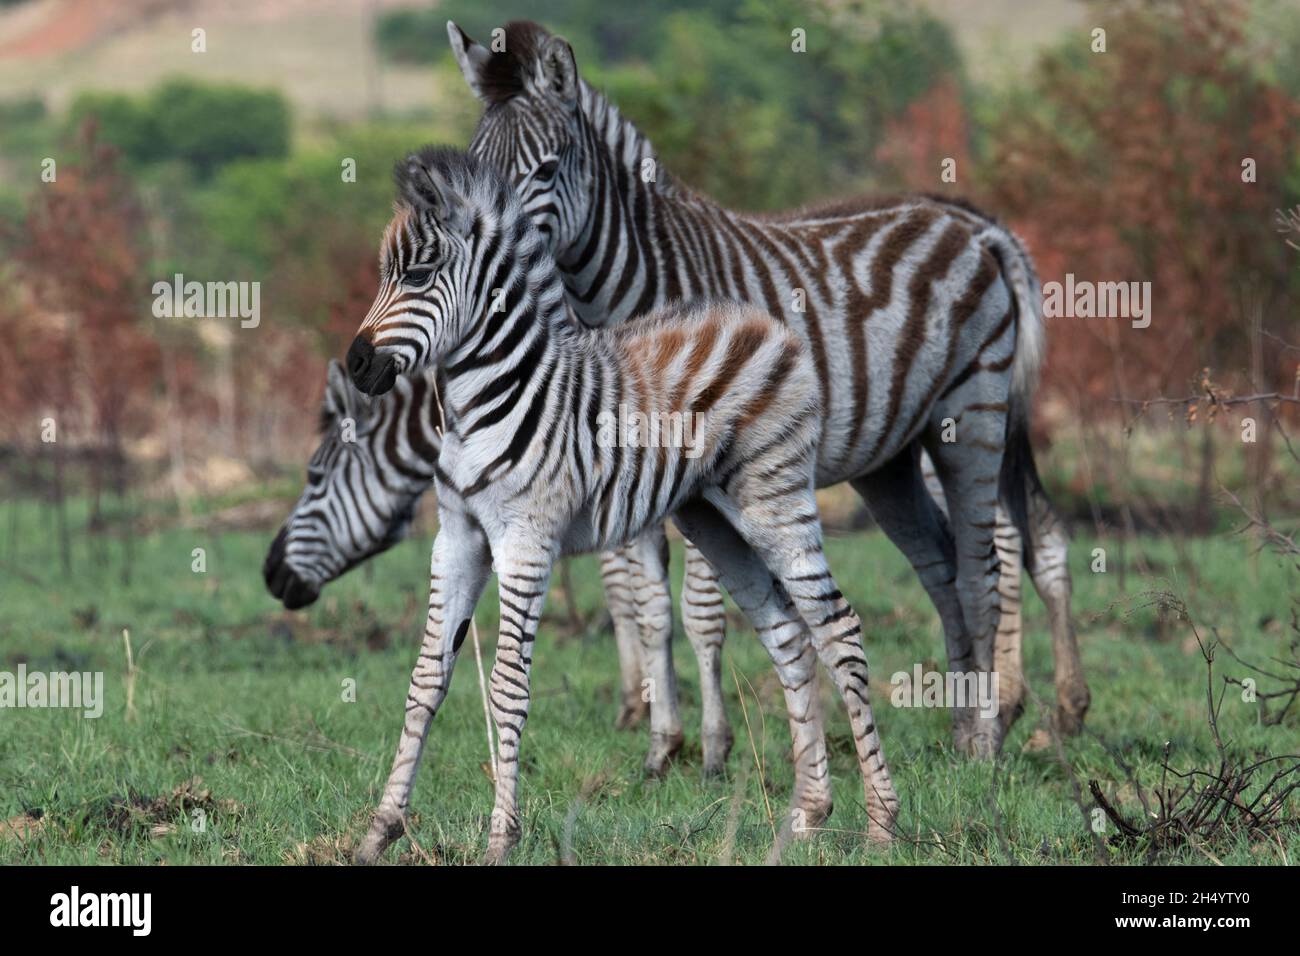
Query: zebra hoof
column 1070, row 712
column 631, row 713
column 380, row 837
column 980, row 738
column 663, row 748
column 717, row 747
column 498, row 849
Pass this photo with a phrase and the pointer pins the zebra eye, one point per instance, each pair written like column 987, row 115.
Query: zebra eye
column 547, row 169
column 315, row 475
column 416, row 275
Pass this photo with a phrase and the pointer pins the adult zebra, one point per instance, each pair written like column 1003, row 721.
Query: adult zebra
column 628, row 237
column 529, row 470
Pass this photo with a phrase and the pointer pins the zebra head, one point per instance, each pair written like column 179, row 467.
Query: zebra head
column 450, row 255
column 359, row 498
column 532, row 127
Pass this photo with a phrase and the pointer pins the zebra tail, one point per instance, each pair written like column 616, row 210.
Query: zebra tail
column 1019, row 472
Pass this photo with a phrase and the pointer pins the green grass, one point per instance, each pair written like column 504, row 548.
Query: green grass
column 233, row 689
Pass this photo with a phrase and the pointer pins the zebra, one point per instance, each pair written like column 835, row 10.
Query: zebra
column 528, row 470
column 362, row 484
column 628, row 237
column 360, row 495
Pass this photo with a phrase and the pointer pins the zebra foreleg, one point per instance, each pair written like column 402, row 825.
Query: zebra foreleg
column 459, row 571
column 523, row 574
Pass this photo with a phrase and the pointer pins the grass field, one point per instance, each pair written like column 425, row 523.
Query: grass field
column 232, row 690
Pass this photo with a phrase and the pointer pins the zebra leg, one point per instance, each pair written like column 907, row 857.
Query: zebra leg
column 523, row 574
column 460, row 568
column 1051, row 576
column 969, row 470
column 705, row 620
column 770, row 611
column 616, row 577
column 1007, row 648
column 896, row 494
column 647, row 559
column 786, row 535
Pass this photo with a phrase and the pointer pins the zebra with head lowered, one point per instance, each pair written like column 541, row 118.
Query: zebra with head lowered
column 527, row 470
column 869, row 285
column 377, row 457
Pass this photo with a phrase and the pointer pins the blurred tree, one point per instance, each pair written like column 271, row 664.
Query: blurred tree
column 199, row 125
column 80, row 259
column 718, row 86
column 1163, row 159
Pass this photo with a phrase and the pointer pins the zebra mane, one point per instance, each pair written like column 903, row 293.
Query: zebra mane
column 505, row 74
column 472, row 178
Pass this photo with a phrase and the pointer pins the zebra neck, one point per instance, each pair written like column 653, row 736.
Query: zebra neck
column 635, row 223
column 513, row 350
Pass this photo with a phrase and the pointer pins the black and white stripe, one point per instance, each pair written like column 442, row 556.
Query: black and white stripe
column 528, row 470
column 861, row 281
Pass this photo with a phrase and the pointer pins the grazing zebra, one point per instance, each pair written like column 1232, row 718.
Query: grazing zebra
column 628, row 237
column 361, row 488
column 530, row 468
column 361, row 493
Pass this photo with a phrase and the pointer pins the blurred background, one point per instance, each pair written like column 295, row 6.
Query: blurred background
column 225, row 164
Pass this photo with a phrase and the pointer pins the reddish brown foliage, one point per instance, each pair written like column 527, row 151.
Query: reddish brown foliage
column 79, row 348
column 1129, row 168
column 932, row 129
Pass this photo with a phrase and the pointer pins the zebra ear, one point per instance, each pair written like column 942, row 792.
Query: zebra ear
column 338, row 389
column 427, row 190
column 342, row 398
column 472, row 58
column 559, row 70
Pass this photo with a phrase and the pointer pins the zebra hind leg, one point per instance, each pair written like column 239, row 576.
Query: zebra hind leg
column 969, row 471
column 787, row 641
column 914, row 520
column 785, row 533
column 704, row 618
column 1051, row 577
column 1008, row 659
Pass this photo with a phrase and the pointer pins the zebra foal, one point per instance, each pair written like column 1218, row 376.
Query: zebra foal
column 527, row 472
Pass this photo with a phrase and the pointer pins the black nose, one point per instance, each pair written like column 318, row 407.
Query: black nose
column 281, row 580
column 373, row 374
column 360, row 355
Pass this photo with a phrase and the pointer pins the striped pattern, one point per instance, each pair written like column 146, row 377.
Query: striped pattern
column 530, row 470
column 375, row 459
column 359, row 498
column 879, row 290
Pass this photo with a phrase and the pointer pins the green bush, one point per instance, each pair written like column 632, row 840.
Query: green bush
column 203, row 126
